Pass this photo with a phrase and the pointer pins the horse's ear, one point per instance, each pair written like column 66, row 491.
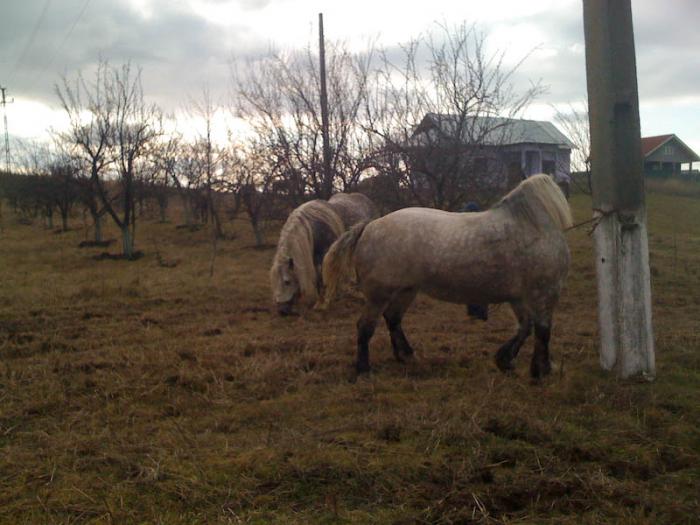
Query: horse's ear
column 290, row 263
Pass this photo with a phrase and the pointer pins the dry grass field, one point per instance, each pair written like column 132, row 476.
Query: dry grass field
column 132, row 392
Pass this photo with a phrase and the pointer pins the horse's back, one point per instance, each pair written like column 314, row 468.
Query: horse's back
column 353, row 208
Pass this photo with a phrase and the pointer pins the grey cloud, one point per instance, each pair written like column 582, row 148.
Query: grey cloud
column 180, row 51
column 245, row 4
column 177, row 50
column 666, row 39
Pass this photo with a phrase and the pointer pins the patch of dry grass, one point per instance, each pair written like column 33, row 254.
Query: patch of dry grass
column 137, row 392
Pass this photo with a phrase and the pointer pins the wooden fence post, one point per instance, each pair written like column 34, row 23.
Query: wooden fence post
column 622, row 251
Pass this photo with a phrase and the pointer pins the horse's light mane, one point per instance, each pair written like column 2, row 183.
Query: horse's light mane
column 296, row 242
column 538, row 192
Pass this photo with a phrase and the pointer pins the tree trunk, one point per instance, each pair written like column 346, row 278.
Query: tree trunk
column 257, row 230
column 127, row 242
column 187, row 208
column 49, row 219
column 162, row 207
column 215, row 219
column 97, row 219
column 64, row 220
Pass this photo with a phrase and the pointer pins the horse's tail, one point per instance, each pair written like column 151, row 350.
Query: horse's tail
column 337, row 262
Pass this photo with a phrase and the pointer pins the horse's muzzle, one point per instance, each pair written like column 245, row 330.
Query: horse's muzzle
column 284, row 309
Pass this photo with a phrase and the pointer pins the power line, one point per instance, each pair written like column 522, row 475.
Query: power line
column 4, row 102
column 58, row 49
column 21, row 58
column 30, row 40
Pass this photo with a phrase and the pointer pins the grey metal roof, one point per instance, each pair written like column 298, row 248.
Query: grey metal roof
column 493, row 130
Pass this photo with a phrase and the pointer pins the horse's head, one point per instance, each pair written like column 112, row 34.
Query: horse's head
column 285, row 285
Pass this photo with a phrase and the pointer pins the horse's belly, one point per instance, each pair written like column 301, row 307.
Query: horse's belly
column 464, row 291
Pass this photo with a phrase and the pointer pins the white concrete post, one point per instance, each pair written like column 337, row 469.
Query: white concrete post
column 622, row 252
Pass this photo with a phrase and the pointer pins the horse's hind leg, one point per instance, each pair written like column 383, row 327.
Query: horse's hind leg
column 509, row 351
column 393, row 315
column 540, row 365
column 365, row 329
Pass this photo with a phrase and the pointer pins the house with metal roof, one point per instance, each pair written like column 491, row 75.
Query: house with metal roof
column 664, row 155
column 497, row 151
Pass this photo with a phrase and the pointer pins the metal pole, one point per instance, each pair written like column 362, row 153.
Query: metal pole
column 7, row 136
column 327, row 174
column 622, row 251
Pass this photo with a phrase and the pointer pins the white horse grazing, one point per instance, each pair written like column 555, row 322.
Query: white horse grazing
column 305, row 237
column 515, row 253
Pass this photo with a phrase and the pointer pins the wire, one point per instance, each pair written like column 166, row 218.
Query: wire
column 30, row 41
column 58, row 49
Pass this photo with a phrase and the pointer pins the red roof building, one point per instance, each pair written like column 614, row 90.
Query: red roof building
column 664, row 155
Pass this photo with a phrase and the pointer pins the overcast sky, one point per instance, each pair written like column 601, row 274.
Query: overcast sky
column 184, row 44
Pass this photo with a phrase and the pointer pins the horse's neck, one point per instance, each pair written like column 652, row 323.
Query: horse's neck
column 294, row 236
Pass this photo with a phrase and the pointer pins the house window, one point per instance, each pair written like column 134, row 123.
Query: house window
column 548, row 167
column 668, row 149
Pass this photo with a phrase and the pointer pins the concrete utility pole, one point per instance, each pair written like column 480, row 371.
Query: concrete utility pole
column 327, row 175
column 4, row 102
column 622, row 250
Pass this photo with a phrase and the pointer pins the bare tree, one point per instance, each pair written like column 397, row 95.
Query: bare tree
column 35, row 187
column 89, row 136
column 279, row 98
column 185, row 180
column 164, row 155
column 63, row 171
column 111, row 126
column 573, row 120
column 469, row 97
column 255, row 173
column 208, row 158
column 136, row 125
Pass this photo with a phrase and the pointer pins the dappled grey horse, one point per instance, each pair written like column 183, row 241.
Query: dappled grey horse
column 514, row 252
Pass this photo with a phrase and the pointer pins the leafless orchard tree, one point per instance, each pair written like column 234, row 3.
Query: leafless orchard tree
column 185, row 179
column 279, row 97
column 45, row 182
column 64, row 170
column 255, row 176
column 112, row 126
column 165, row 155
column 89, row 135
column 208, row 160
column 33, row 188
column 137, row 124
column 573, row 120
column 468, row 91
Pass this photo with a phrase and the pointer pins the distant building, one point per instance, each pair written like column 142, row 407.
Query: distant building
column 664, row 154
column 498, row 152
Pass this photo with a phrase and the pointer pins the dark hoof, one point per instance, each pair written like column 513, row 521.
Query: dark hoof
column 540, row 369
column 404, row 355
column 504, row 365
